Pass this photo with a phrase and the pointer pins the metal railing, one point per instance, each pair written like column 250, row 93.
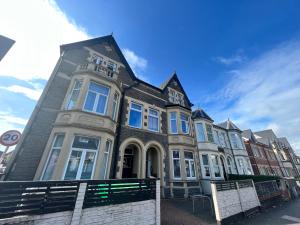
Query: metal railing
column 267, row 190
column 110, row 192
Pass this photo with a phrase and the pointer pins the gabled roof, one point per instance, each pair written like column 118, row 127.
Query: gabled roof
column 247, row 134
column 201, row 114
column 267, row 134
column 229, row 125
column 109, row 39
column 174, row 77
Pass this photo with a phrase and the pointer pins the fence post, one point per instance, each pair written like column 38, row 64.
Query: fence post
column 157, row 203
column 215, row 202
column 78, row 205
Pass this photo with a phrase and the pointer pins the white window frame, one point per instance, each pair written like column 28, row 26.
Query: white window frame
column 216, row 137
column 218, row 165
column 154, row 116
column 190, row 165
column 230, row 167
column 176, row 150
column 115, row 106
column 50, row 153
column 84, row 151
column 204, row 166
column 171, row 130
column 137, row 110
column 71, row 93
column 197, row 132
column 207, row 133
column 223, row 138
column 96, row 99
column 107, row 152
column 187, row 123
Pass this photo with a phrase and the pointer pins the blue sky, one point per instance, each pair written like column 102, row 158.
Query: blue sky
column 237, row 59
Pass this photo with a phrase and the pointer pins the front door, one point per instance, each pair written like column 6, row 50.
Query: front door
column 128, row 164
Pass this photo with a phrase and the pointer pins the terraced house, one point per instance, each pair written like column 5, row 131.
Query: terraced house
column 97, row 120
column 221, row 149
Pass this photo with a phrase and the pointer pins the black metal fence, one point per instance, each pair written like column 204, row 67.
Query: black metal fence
column 267, row 190
column 27, row 198
column 110, row 192
column 41, row 197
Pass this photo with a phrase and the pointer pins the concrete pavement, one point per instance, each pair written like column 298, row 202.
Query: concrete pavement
column 284, row 213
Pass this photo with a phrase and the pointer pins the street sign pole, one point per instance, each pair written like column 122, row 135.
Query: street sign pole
column 3, row 154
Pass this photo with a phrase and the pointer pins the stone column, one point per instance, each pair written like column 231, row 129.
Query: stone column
column 78, row 205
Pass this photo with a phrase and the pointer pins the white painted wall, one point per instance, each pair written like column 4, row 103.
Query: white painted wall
column 231, row 202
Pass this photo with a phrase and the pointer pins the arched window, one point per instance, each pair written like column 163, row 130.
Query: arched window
column 229, row 165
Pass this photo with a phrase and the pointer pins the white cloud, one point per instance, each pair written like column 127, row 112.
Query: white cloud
column 33, row 94
column 265, row 93
column 39, row 27
column 237, row 58
column 137, row 63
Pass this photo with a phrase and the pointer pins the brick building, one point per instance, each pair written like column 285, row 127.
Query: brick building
column 262, row 157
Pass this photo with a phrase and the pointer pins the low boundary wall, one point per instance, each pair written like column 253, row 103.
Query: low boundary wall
column 233, row 199
column 110, row 202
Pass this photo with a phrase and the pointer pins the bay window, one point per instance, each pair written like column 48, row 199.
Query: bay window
column 153, row 120
column 205, row 166
column 184, row 123
column 189, row 165
column 115, row 106
column 216, row 166
column 74, row 94
column 173, row 123
column 200, row 132
column 96, row 99
column 176, row 164
column 209, row 133
column 104, row 164
column 135, row 115
column 82, row 158
column 53, row 157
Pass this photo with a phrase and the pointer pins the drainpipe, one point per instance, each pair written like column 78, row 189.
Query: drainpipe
column 118, row 131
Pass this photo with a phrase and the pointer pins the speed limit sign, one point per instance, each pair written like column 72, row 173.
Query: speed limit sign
column 10, row 138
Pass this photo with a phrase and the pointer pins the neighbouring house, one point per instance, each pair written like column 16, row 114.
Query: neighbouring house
column 220, row 147
column 262, row 157
column 281, row 150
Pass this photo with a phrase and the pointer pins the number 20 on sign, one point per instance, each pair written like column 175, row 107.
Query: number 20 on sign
column 9, row 138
